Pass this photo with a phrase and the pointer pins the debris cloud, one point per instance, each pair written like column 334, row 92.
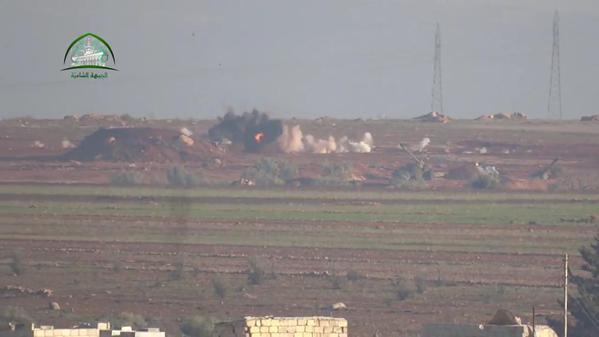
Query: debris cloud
column 254, row 130
column 293, row 140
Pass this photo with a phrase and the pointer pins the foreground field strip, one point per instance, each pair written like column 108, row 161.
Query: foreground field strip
column 375, row 263
column 465, row 276
column 303, row 194
column 449, row 236
column 521, row 275
column 546, row 214
column 520, row 233
column 553, row 235
column 524, row 231
column 316, row 240
column 297, row 254
column 524, row 269
column 37, row 197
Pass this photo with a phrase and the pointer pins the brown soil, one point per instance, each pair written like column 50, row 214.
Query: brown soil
column 138, row 144
column 516, row 148
column 91, row 279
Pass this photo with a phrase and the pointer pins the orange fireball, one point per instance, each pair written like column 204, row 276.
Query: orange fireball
column 259, row 137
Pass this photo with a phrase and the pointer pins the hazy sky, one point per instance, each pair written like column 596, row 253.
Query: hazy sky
column 308, row 58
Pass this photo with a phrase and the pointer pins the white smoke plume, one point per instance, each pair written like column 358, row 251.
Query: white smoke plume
column 293, row 140
column 290, row 140
column 421, row 145
column 314, row 145
column 363, row 146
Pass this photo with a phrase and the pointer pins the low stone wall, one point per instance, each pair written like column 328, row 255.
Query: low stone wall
column 284, row 327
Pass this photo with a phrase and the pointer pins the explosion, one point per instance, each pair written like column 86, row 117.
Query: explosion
column 254, row 130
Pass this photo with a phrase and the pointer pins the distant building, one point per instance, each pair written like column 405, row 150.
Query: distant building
column 465, row 330
column 503, row 324
column 102, row 329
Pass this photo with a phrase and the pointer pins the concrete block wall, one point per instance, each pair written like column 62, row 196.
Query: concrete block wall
column 284, row 327
column 66, row 333
column 102, row 330
column 149, row 333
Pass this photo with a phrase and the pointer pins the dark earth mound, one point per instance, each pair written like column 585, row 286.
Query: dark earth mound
column 137, row 144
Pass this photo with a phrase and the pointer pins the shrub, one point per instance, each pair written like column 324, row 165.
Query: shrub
column 338, row 171
column 403, row 290
column 493, row 294
column 411, row 175
column 486, row 181
column 127, row 118
column 136, row 321
column 219, row 287
column 420, row 285
column 178, row 176
column 336, row 174
column 408, row 184
column 555, row 171
column 16, row 315
column 354, row 276
column 256, row 274
column 270, row 172
column 117, row 266
column 16, row 264
column 198, row 326
column 288, row 171
column 336, row 281
column 126, row 178
column 500, row 289
column 388, row 301
column 178, row 272
column 409, row 171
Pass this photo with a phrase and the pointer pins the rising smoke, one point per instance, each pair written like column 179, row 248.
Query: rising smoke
column 292, row 140
column 421, row 145
column 254, row 130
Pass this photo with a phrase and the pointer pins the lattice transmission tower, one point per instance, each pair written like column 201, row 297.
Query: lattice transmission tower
column 554, row 102
column 437, row 92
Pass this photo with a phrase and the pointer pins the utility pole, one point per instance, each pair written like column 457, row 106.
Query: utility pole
column 566, row 295
column 437, row 92
column 554, row 102
column 534, row 325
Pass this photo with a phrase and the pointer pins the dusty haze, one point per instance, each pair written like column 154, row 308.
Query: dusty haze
column 342, row 58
